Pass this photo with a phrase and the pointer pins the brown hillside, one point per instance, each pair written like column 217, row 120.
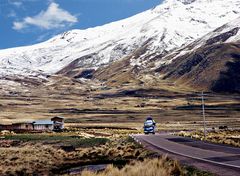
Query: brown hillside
column 215, row 67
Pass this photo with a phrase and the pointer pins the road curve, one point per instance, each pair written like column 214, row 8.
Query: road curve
column 218, row 159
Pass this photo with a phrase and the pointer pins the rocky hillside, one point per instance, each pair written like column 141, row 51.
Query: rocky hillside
column 210, row 63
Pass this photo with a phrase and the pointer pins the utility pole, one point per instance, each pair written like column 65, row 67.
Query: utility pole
column 204, row 117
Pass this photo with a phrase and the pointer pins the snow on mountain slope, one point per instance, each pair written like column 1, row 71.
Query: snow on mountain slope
column 210, row 63
column 228, row 33
column 166, row 27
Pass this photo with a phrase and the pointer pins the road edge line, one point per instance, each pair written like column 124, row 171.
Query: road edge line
column 192, row 157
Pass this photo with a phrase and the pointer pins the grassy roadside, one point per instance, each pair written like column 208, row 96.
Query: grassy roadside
column 228, row 137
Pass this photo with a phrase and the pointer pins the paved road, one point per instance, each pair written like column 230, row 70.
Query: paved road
column 218, row 159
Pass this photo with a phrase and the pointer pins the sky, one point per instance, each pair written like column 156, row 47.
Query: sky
column 26, row 22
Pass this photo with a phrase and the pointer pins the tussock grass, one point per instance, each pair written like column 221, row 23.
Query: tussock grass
column 121, row 149
column 40, row 154
column 35, row 157
column 29, row 160
column 221, row 136
column 149, row 167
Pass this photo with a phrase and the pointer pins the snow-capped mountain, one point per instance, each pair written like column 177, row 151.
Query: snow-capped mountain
column 209, row 63
column 166, row 27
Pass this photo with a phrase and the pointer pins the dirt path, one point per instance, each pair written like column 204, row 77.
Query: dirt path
column 218, row 159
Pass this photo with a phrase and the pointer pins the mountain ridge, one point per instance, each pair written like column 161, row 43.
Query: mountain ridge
column 209, row 63
column 166, row 27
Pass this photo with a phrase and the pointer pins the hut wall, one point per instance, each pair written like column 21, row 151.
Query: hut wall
column 42, row 127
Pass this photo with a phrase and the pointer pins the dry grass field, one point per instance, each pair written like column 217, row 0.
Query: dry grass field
column 49, row 154
column 228, row 137
column 153, row 167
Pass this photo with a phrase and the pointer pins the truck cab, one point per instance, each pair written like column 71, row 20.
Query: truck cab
column 149, row 126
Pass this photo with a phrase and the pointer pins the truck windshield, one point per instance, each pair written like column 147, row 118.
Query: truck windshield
column 148, row 123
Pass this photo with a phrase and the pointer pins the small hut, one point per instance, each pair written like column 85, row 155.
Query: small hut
column 43, row 125
column 5, row 127
column 25, row 126
column 55, row 124
column 58, row 123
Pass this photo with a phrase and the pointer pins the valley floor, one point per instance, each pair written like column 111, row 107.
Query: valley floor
column 83, row 101
column 98, row 119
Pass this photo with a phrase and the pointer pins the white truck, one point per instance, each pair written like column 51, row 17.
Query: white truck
column 149, row 126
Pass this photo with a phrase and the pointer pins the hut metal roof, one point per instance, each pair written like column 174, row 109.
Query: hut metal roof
column 43, row 122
